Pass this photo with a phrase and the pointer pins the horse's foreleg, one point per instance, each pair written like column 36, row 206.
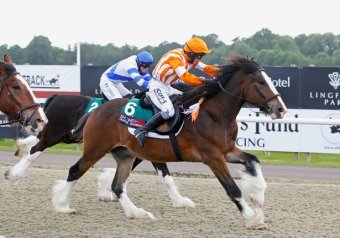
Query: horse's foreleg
column 62, row 189
column 25, row 145
column 253, row 183
column 176, row 198
column 125, row 159
column 19, row 170
column 253, row 219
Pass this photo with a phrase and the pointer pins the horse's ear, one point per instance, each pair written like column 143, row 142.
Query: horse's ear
column 7, row 59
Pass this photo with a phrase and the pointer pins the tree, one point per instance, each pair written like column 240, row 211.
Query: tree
column 262, row 39
column 242, row 48
column 336, row 58
column 312, row 45
column 267, row 57
column 39, row 51
column 322, row 59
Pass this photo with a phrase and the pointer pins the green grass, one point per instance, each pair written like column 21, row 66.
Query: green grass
column 69, row 149
column 290, row 158
column 272, row 158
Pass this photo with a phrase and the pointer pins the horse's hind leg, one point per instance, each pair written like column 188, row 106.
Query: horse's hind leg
column 105, row 178
column 125, row 159
column 104, row 181
column 176, row 198
column 253, row 183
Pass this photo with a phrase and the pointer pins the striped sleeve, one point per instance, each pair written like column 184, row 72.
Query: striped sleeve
column 142, row 81
column 207, row 69
column 182, row 72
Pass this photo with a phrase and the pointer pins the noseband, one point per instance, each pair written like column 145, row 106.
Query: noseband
column 266, row 100
column 19, row 118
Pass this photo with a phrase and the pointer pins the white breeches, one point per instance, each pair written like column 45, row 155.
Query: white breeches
column 112, row 90
column 159, row 94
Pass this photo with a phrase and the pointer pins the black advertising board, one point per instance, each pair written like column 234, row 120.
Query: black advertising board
column 11, row 130
column 320, row 88
column 90, row 78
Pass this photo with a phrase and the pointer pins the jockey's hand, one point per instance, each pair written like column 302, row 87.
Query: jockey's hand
column 209, row 80
column 128, row 96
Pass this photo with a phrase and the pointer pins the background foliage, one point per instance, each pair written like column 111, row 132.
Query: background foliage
column 267, row 48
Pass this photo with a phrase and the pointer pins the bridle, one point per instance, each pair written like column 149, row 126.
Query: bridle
column 19, row 118
column 264, row 104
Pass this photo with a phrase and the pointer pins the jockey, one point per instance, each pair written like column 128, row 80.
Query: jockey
column 134, row 68
column 172, row 67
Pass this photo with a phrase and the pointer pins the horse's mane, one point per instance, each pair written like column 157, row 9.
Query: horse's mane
column 8, row 68
column 225, row 73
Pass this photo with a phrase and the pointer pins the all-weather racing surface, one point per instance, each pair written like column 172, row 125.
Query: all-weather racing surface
column 301, row 202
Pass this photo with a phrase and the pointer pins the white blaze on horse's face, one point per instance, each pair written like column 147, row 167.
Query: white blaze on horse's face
column 43, row 118
column 275, row 92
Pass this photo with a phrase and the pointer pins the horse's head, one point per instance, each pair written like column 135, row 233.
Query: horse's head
column 17, row 100
column 262, row 93
column 250, row 83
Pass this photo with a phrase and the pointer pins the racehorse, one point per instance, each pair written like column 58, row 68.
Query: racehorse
column 209, row 140
column 17, row 100
column 63, row 113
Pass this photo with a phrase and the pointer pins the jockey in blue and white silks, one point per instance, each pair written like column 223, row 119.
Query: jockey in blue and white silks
column 134, row 68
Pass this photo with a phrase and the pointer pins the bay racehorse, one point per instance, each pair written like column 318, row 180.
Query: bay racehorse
column 209, row 140
column 63, row 113
column 17, row 100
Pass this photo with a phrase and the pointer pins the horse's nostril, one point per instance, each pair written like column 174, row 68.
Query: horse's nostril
column 40, row 121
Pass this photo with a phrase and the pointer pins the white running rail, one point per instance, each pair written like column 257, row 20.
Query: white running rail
column 314, row 121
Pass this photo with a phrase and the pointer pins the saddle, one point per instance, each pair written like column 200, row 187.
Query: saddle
column 136, row 112
column 172, row 124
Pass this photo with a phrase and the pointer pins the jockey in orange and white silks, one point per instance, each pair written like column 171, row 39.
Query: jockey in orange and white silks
column 134, row 68
column 172, row 67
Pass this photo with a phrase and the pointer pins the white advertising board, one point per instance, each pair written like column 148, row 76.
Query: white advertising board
column 46, row 80
column 290, row 137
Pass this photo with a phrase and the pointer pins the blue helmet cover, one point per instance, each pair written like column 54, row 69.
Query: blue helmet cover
column 145, row 57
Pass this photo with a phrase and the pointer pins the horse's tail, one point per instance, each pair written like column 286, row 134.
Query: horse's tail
column 78, row 130
column 49, row 100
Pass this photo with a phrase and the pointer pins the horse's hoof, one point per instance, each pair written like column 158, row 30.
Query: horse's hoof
column 9, row 176
column 183, row 202
column 105, row 198
column 261, row 226
column 66, row 211
column 140, row 213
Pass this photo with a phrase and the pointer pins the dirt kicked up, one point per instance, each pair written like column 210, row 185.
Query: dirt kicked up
column 293, row 208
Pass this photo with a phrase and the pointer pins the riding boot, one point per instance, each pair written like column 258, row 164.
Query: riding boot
column 141, row 132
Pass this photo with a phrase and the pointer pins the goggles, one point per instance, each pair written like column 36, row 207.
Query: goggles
column 199, row 56
column 145, row 65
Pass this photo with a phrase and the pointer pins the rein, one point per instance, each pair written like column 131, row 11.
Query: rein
column 251, row 79
column 19, row 118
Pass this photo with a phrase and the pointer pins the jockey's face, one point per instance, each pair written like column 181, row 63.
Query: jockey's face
column 144, row 67
column 198, row 58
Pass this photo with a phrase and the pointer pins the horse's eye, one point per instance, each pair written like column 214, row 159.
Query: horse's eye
column 16, row 87
column 261, row 81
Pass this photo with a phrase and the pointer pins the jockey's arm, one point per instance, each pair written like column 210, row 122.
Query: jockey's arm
column 184, row 74
column 141, row 80
column 207, row 69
